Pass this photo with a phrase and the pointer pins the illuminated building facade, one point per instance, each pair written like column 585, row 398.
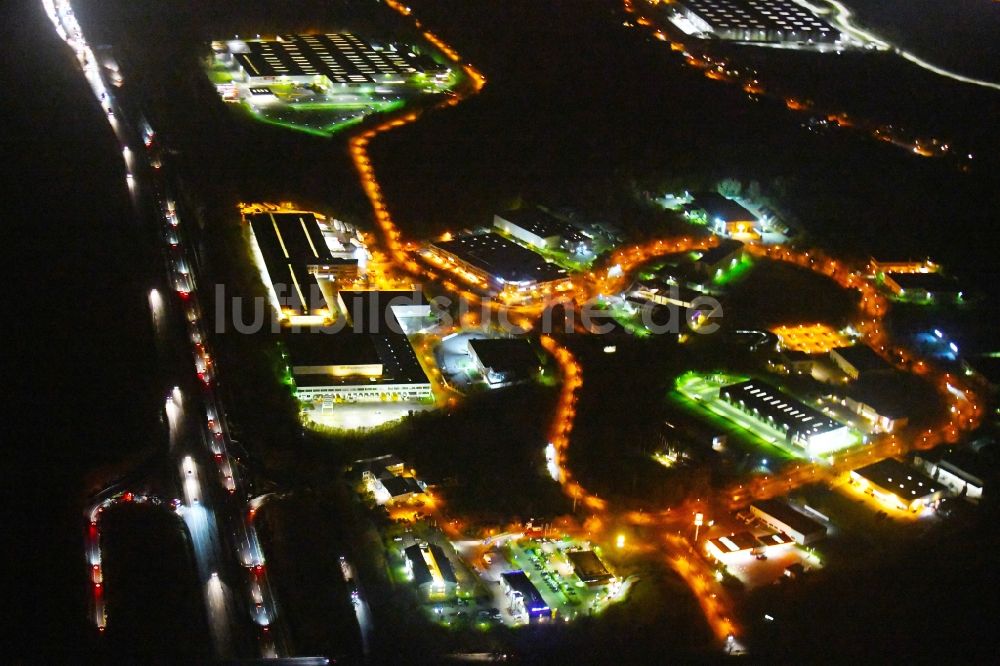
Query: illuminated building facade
column 543, row 230
column 500, row 264
column 804, row 427
column 523, row 597
column 897, row 485
column 781, row 517
column 757, row 21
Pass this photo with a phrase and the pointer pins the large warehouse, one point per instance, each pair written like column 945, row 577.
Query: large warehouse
column 804, row 427
column 355, row 367
column 500, row 264
column 334, row 58
column 897, row 485
column 757, row 21
column 297, row 262
column 543, row 230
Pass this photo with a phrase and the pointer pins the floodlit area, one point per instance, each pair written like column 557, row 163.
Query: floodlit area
column 362, row 415
column 811, row 338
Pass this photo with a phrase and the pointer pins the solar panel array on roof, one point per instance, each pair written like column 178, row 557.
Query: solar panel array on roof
column 341, row 57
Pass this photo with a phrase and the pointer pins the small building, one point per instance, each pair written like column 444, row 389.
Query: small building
column 960, row 471
column 504, row 361
column 542, row 230
column 430, row 569
column 723, row 216
column 897, row 485
column 399, row 489
column 737, row 542
column 793, row 362
column 782, row 517
column 382, row 467
column 523, row 597
column 666, row 294
column 588, row 567
column 857, row 360
column 715, row 261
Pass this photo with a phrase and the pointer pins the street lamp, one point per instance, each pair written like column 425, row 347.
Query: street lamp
column 699, row 520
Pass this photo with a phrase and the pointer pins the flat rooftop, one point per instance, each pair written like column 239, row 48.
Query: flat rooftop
column 736, row 542
column 902, row 480
column 766, row 15
column 518, row 581
column 786, row 515
column 783, row 409
column 503, row 259
column 290, row 243
column 399, row 361
column 863, row 358
column 717, row 206
column 542, row 224
column 514, row 356
column 371, row 311
column 723, row 250
column 932, row 282
column 341, row 57
column 316, row 348
column 588, row 566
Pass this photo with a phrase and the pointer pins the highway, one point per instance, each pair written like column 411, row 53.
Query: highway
column 210, row 485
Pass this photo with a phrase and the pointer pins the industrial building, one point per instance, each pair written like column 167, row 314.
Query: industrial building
column 857, row 360
column 781, row 517
column 500, row 264
column 737, row 542
column 387, row 479
column 897, row 485
column 430, row 569
column 355, row 367
column 340, row 59
column 757, row 21
column 714, row 261
column 300, row 258
column 543, row 230
column 383, row 312
column 504, row 361
column 885, row 410
column 804, row 427
column 588, row 567
column 523, row 597
column 960, row 471
column 923, row 286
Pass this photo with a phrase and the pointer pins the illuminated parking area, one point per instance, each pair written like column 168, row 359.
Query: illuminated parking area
column 811, row 338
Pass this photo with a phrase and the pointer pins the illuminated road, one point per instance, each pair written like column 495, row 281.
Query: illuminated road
column 214, row 491
column 843, row 19
column 209, row 480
